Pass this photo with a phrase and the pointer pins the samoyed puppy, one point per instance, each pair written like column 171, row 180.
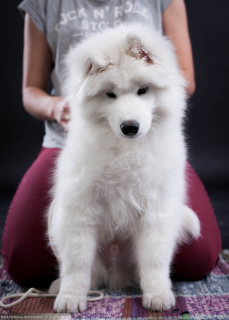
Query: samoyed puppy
column 119, row 208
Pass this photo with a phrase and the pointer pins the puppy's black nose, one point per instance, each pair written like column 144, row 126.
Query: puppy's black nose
column 130, row 128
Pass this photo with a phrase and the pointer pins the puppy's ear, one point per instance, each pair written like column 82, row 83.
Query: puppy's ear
column 95, row 66
column 138, row 51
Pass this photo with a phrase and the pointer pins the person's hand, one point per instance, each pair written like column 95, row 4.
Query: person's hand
column 62, row 112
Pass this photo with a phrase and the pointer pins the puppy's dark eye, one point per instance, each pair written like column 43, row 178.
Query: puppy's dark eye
column 111, row 95
column 143, row 90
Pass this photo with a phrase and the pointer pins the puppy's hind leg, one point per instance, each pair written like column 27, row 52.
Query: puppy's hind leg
column 55, row 286
column 99, row 274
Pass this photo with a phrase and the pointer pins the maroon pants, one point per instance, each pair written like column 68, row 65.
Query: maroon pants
column 29, row 260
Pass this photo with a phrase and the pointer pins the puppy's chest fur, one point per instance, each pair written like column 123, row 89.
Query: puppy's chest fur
column 119, row 191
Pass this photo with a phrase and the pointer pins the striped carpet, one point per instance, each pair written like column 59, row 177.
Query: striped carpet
column 205, row 299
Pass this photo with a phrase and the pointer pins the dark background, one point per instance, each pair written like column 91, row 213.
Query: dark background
column 207, row 118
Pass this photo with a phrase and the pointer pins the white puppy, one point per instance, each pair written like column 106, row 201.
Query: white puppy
column 119, row 209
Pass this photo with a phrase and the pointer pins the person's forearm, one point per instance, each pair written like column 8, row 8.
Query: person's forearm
column 39, row 104
column 45, row 107
column 190, row 80
column 175, row 26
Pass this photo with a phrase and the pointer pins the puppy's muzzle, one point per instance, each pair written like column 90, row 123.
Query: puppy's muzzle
column 130, row 128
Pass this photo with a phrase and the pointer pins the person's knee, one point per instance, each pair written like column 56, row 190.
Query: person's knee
column 28, row 269
column 196, row 265
column 12, row 262
column 202, row 266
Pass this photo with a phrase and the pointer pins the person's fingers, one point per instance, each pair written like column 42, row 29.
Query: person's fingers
column 66, row 117
column 64, row 124
column 66, row 112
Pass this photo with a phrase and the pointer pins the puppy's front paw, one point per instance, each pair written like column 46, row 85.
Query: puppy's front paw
column 70, row 303
column 158, row 301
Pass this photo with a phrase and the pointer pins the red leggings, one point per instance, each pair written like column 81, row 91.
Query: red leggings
column 29, row 260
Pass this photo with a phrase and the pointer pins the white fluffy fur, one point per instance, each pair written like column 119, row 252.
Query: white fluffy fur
column 119, row 208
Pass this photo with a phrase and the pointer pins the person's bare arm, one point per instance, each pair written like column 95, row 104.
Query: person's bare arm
column 175, row 26
column 37, row 62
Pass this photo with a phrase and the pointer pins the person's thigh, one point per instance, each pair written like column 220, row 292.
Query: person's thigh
column 29, row 260
column 198, row 258
column 26, row 254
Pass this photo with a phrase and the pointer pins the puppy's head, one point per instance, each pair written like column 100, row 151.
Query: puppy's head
column 124, row 79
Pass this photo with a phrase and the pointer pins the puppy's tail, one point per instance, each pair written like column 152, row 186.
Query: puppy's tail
column 190, row 225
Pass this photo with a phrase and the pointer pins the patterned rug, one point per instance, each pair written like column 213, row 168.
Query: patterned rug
column 205, row 299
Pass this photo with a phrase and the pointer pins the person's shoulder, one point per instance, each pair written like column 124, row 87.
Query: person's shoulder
column 36, row 10
column 165, row 4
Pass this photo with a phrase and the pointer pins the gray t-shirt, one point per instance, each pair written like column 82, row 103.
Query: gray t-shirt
column 66, row 22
